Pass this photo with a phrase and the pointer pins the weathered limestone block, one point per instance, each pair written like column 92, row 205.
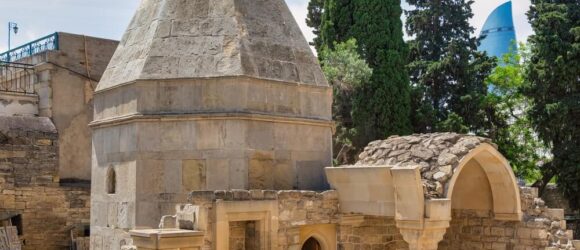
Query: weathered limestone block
column 187, row 216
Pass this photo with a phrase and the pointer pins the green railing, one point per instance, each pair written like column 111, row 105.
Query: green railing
column 46, row 43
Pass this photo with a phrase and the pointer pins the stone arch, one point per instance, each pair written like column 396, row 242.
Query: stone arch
column 425, row 172
column 111, row 180
column 503, row 187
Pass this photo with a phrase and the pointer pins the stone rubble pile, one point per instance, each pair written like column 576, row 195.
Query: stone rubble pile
column 437, row 154
column 538, row 215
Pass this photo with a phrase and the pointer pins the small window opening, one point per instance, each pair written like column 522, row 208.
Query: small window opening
column 111, row 181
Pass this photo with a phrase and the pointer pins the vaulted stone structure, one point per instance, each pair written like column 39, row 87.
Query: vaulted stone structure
column 425, row 177
column 205, row 95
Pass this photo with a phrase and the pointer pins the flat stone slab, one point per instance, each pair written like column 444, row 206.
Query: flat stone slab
column 164, row 233
column 38, row 124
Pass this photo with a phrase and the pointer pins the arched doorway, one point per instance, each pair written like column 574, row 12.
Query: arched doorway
column 311, row 244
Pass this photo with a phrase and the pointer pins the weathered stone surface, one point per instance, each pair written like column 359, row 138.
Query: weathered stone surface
column 438, row 154
column 207, row 38
column 29, row 184
column 36, row 124
column 540, row 229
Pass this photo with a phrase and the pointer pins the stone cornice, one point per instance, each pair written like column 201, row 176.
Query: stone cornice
column 248, row 116
column 228, row 78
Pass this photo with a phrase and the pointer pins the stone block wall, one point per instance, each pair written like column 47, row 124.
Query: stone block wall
column 47, row 213
column 296, row 210
column 28, row 152
column 302, row 214
column 541, row 227
column 371, row 232
column 29, row 184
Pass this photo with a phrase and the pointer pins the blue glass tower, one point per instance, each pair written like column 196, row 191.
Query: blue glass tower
column 498, row 35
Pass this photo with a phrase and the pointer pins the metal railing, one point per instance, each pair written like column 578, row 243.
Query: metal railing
column 46, row 43
column 17, row 78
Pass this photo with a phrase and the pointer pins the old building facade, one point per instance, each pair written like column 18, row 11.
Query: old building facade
column 46, row 93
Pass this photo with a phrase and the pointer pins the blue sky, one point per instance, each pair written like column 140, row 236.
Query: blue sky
column 109, row 18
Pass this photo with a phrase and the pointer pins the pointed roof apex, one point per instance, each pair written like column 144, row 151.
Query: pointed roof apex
column 185, row 39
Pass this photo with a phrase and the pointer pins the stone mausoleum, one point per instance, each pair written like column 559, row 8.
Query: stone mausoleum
column 212, row 130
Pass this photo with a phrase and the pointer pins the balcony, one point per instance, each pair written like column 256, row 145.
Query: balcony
column 46, row 43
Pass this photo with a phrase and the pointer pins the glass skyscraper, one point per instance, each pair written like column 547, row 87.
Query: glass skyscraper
column 498, row 35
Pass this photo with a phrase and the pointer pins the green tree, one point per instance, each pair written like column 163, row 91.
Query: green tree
column 553, row 77
column 515, row 135
column 314, row 21
column 447, row 72
column 381, row 108
column 347, row 72
column 337, row 20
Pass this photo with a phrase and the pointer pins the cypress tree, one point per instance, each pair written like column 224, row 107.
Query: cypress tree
column 381, row 106
column 447, row 72
column 553, row 85
column 337, row 20
column 314, row 21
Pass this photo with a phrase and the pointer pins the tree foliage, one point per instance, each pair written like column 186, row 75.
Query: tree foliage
column 447, row 72
column 381, row 107
column 347, row 72
column 337, row 20
column 314, row 21
column 515, row 134
column 553, row 78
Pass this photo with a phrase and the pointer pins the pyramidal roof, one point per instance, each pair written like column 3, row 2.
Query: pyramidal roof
column 184, row 39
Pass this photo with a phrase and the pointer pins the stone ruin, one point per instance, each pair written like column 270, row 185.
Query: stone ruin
column 438, row 156
column 214, row 118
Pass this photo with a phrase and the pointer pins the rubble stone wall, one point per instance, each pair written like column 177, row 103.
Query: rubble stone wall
column 29, row 184
column 541, row 227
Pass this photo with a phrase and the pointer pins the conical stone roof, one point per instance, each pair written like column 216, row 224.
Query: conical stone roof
column 185, row 39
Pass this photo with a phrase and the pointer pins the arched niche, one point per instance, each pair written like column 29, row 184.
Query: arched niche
column 483, row 180
column 312, row 244
column 111, row 180
column 321, row 235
